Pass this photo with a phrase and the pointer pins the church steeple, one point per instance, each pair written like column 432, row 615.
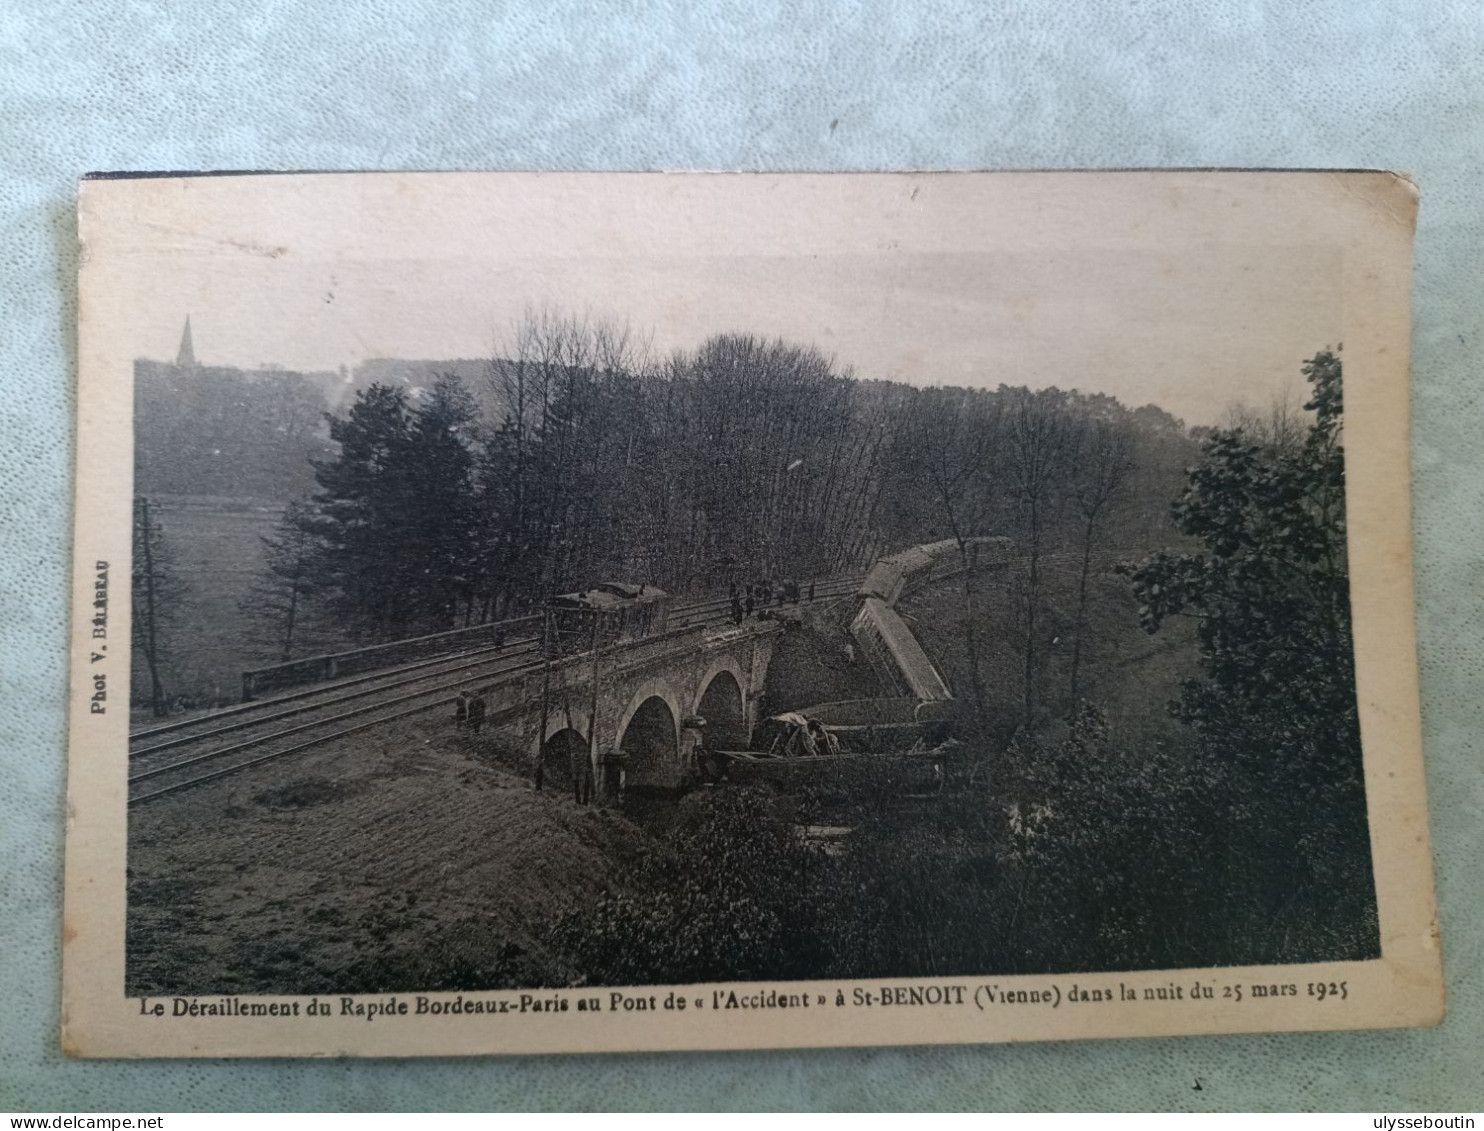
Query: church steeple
column 186, row 358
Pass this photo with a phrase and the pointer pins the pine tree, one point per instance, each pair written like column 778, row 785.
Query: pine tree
column 436, row 482
column 366, row 563
column 394, row 524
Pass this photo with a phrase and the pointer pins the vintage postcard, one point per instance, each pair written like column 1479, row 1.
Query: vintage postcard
column 520, row 613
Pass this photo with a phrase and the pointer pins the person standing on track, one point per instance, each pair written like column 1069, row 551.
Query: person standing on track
column 476, row 713
column 461, row 710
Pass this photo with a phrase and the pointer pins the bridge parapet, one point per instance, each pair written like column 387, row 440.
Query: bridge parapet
column 728, row 635
column 576, row 671
column 656, row 649
column 647, row 689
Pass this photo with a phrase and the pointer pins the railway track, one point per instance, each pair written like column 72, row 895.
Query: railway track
column 171, row 757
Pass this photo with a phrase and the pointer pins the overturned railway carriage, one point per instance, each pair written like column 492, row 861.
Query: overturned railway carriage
column 879, row 631
column 909, row 732
column 894, row 577
column 894, row 653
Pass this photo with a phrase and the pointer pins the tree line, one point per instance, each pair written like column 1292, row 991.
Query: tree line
column 742, row 459
column 213, row 430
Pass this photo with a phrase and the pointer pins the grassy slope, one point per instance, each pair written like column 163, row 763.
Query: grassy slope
column 1129, row 674
column 410, row 860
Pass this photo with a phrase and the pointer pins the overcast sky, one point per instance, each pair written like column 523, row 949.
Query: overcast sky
column 1126, row 297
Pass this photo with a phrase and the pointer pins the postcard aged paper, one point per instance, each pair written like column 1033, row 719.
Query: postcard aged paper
column 528, row 613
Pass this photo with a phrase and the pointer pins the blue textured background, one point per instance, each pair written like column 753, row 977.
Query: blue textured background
column 113, row 84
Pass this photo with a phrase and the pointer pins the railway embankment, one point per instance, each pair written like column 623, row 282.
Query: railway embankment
column 402, row 857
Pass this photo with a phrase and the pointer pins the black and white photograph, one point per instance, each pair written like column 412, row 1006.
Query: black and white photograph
column 887, row 608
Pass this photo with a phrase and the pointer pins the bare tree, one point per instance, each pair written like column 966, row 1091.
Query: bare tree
column 157, row 593
column 957, row 435
column 1036, row 440
column 1100, row 458
column 1281, row 428
column 279, row 600
column 570, row 392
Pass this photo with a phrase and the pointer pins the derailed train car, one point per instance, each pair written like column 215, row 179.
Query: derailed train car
column 893, row 577
column 881, row 634
column 898, row 659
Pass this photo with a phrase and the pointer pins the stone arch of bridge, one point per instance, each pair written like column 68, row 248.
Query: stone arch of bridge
column 649, row 735
column 563, row 757
column 560, row 718
column 722, row 701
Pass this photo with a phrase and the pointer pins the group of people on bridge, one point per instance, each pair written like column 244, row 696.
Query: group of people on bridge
column 755, row 596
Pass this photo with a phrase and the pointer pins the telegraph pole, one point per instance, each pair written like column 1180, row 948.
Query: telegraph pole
column 592, row 718
column 545, row 692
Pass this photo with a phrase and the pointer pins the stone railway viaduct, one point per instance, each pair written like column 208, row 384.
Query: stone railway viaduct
column 647, row 689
